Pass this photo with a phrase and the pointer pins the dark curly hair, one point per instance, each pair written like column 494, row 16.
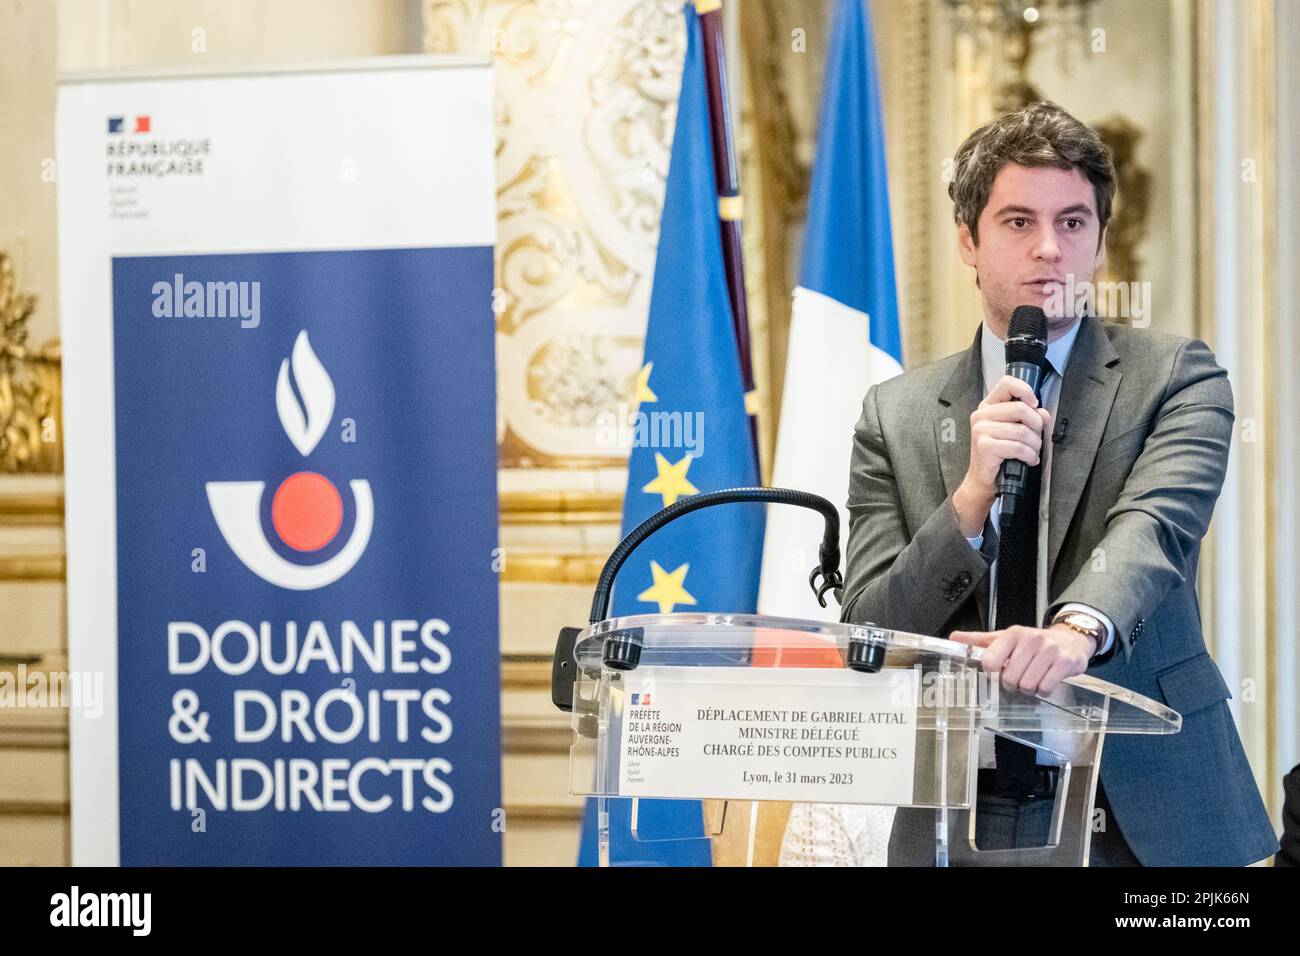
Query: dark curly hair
column 1041, row 134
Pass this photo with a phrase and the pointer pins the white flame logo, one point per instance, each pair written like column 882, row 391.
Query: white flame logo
column 317, row 390
column 237, row 505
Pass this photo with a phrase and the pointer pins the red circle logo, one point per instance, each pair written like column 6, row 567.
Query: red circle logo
column 307, row 511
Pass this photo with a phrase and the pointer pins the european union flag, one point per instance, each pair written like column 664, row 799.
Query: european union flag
column 691, row 435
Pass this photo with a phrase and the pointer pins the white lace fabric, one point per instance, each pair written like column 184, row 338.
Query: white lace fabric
column 827, row 834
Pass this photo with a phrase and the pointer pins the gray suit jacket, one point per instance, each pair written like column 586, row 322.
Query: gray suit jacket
column 1134, row 483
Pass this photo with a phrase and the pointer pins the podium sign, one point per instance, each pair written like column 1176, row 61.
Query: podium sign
column 771, row 734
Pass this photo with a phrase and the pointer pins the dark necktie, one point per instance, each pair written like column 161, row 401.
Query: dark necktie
column 1017, row 603
column 1017, row 600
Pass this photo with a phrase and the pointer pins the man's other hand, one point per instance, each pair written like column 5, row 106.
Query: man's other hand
column 1031, row 659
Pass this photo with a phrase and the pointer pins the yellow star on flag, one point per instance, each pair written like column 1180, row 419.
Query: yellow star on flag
column 643, row 392
column 671, row 481
column 667, row 589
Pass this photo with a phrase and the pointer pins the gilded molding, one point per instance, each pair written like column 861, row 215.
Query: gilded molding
column 31, row 414
column 31, row 508
column 525, row 671
column 34, row 808
column 534, row 738
column 561, row 507
column 543, row 568
column 33, row 567
column 544, row 812
column 34, row 728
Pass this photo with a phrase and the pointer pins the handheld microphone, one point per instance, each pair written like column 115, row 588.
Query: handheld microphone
column 1026, row 351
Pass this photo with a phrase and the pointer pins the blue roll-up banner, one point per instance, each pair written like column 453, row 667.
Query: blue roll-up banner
column 276, row 297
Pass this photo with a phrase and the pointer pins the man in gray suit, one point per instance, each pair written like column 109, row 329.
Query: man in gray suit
column 1129, row 448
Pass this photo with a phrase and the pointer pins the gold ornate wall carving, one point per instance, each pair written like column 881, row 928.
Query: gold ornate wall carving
column 586, row 98
column 33, row 740
column 31, row 414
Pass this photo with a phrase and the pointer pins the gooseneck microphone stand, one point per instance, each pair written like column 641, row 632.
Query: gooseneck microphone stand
column 828, row 566
column 622, row 649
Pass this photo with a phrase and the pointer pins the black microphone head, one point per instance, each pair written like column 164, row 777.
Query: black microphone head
column 1027, row 337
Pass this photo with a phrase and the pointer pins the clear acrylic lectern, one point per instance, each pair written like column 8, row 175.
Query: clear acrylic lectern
column 739, row 708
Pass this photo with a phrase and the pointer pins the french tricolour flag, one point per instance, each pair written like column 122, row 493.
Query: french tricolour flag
column 844, row 334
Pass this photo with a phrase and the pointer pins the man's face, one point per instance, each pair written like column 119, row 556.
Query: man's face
column 1039, row 227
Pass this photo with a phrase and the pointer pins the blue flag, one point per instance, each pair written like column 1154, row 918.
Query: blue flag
column 848, row 245
column 691, row 435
